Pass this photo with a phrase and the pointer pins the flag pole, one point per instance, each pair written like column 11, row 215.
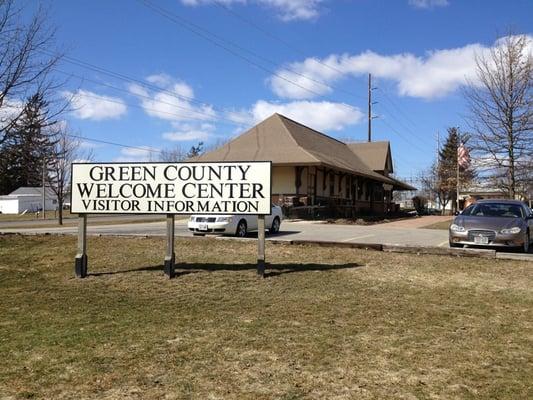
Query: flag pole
column 457, row 181
column 457, row 195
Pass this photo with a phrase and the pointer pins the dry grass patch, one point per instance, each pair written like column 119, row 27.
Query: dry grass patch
column 443, row 225
column 326, row 323
column 50, row 215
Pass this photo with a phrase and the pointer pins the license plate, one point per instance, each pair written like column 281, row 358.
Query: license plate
column 202, row 227
column 481, row 240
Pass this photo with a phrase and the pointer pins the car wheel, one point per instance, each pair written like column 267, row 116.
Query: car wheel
column 275, row 226
column 525, row 249
column 242, row 229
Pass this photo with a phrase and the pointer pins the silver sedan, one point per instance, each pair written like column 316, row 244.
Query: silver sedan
column 506, row 223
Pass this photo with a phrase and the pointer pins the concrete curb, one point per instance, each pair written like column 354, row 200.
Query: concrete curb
column 442, row 251
column 510, row 256
column 389, row 248
column 325, row 243
column 396, row 248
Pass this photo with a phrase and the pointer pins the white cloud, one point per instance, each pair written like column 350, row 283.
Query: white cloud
column 160, row 79
column 436, row 74
column 173, row 103
column 84, row 144
column 287, row 10
column 10, row 110
column 189, row 132
column 89, row 105
column 428, row 3
column 141, row 153
column 320, row 115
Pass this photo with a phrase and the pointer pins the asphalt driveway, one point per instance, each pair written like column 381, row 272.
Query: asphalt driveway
column 291, row 230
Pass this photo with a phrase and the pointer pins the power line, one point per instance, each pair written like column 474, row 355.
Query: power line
column 275, row 37
column 155, row 87
column 152, row 86
column 414, row 144
column 295, row 49
column 126, row 78
column 110, row 100
column 203, row 33
column 427, row 141
column 398, row 108
column 209, row 117
column 83, row 138
column 222, row 43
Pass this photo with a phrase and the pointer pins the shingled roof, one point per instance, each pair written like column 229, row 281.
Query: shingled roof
column 286, row 142
column 32, row 191
column 374, row 154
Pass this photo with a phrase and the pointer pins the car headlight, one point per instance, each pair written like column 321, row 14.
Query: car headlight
column 457, row 228
column 516, row 229
column 224, row 219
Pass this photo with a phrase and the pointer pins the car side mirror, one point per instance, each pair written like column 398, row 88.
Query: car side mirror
column 456, row 213
column 529, row 216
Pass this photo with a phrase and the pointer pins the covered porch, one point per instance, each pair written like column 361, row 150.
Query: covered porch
column 322, row 191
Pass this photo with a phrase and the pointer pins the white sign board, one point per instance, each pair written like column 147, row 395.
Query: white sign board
column 172, row 188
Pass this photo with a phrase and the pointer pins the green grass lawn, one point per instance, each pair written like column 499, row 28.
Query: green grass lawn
column 326, row 323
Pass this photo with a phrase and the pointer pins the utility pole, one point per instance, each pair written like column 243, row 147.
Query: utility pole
column 437, row 172
column 369, row 107
column 370, row 103
column 44, row 192
column 457, row 188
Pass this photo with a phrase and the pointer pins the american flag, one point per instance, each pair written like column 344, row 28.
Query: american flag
column 463, row 156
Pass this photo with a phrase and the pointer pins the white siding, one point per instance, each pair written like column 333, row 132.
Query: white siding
column 9, row 206
column 18, row 204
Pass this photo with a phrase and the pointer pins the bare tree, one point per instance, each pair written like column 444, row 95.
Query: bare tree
column 26, row 60
column 435, row 187
column 65, row 151
column 501, row 113
column 174, row 154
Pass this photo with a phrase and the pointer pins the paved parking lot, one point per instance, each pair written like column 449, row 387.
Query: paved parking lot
column 395, row 233
column 301, row 230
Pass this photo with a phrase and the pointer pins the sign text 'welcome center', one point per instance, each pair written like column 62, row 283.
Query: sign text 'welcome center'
column 172, row 188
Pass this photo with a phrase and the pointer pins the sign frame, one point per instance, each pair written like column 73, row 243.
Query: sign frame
column 81, row 259
column 164, row 162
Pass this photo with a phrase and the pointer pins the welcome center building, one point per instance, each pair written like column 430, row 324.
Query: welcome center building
column 313, row 173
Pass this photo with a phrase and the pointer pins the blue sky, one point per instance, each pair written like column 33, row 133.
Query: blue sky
column 307, row 59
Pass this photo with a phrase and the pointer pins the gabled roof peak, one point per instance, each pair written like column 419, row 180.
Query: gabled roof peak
column 283, row 117
column 287, row 142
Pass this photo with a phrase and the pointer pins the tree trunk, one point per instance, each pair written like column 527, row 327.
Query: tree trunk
column 60, row 214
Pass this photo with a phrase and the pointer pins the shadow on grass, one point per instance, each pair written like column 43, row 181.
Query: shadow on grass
column 271, row 269
column 253, row 235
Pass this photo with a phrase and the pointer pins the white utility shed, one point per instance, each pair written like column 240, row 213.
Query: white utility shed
column 27, row 199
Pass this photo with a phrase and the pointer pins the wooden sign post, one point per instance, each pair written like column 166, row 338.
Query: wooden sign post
column 215, row 188
column 261, row 245
column 80, row 268
column 170, row 257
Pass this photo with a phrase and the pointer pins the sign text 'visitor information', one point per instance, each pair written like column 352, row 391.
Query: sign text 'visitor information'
column 172, row 188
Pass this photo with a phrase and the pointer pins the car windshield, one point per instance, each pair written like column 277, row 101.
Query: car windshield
column 494, row 210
